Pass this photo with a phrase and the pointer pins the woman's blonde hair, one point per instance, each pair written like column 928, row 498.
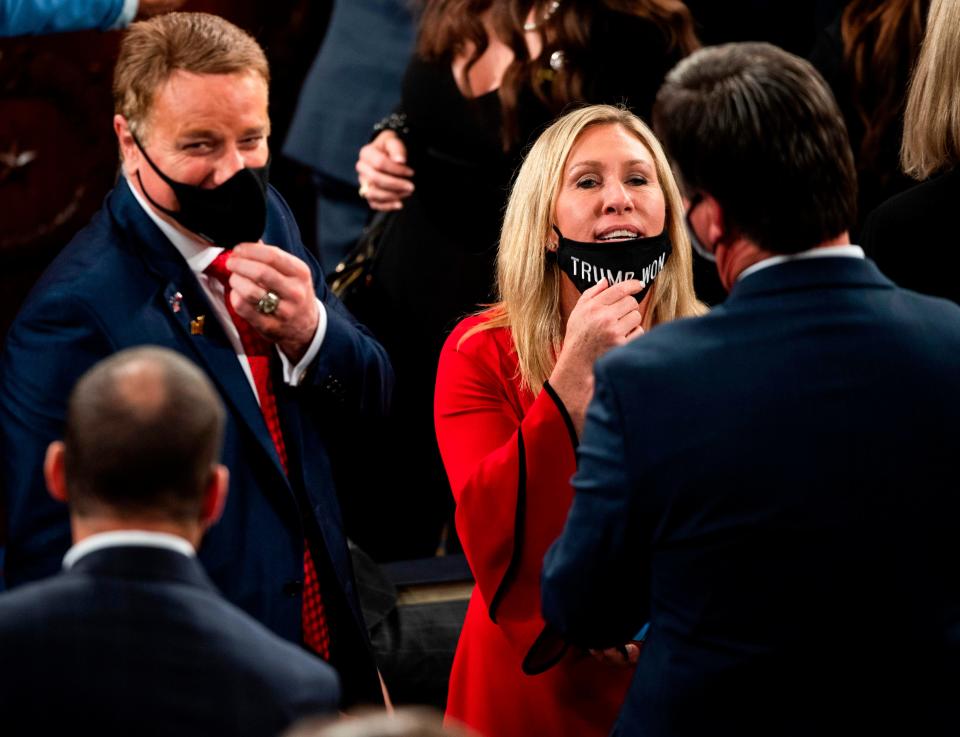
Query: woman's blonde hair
column 528, row 282
column 931, row 122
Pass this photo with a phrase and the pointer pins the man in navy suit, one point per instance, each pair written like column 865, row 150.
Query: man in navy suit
column 773, row 486
column 132, row 638
column 193, row 251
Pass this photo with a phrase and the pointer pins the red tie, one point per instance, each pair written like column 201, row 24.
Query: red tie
column 259, row 351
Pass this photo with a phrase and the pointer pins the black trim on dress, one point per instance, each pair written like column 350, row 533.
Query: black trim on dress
column 552, row 393
column 518, row 521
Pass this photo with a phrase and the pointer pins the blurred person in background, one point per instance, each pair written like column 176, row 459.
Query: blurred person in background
column 867, row 55
column 353, row 82
column 912, row 236
column 34, row 17
column 404, row 722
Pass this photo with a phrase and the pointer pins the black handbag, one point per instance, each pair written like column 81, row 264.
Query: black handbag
column 353, row 276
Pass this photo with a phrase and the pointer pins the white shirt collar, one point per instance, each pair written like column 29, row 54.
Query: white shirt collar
column 847, row 251
column 126, row 538
column 198, row 253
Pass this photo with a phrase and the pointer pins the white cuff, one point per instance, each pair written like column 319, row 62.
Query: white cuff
column 293, row 375
column 127, row 13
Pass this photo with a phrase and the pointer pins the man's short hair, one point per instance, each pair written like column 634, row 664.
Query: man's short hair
column 154, row 49
column 759, row 130
column 143, row 430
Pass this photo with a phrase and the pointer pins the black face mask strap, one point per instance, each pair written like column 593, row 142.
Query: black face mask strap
column 153, row 166
column 159, row 173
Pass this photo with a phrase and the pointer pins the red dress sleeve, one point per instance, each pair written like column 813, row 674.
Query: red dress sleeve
column 509, row 457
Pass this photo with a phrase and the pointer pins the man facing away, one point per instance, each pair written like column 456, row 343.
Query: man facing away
column 773, row 486
column 193, row 251
column 131, row 637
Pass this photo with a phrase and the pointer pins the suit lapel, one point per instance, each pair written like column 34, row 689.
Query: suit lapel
column 186, row 305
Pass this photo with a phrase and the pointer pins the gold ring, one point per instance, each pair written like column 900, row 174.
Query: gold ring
column 268, row 303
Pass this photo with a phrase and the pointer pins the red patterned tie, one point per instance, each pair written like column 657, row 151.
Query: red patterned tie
column 259, row 352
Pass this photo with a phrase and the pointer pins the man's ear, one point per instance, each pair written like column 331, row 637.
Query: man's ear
column 214, row 495
column 716, row 228
column 128, row 147
column 54, row 471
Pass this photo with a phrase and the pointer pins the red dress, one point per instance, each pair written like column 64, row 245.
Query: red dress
column 510, row 458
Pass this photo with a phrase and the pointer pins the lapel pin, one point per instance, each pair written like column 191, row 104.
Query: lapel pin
column 176, row 301
column 196, row 325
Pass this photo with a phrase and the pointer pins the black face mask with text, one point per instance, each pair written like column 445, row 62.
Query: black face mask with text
column 234, row 212
column 638, row 258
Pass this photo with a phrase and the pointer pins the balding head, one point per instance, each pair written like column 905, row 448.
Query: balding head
column 143, row 432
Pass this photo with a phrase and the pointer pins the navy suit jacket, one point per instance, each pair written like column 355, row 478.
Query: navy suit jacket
column 121, row 283
column 135, row 640
column 774, row 487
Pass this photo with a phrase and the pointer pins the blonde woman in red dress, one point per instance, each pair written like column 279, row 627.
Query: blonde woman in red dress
column 593, row 253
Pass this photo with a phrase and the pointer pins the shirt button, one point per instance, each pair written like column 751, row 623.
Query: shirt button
column 293, row 588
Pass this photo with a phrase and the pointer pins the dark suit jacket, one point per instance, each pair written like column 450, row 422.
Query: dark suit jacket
column 115, row 286
column 136, row 641
column 774, row 487
column 913, row 237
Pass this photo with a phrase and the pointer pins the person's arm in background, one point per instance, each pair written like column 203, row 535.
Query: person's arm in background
column 37, row 17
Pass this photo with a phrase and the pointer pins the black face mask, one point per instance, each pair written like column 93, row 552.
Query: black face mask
column 587, row 263
column 234, row 212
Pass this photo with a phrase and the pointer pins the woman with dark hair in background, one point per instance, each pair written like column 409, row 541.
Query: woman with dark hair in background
column 867, row 56
column 913, row 236
column 487, row 76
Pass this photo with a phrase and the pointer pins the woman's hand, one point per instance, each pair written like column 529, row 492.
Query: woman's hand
column 603, row 318
column 383, row 172
column 623, row 656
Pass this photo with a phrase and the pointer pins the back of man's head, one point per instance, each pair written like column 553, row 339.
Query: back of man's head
column 143, row 433
column 758, row 129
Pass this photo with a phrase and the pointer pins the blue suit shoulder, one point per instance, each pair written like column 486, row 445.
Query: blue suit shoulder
column 661, row 344
column 169, row 620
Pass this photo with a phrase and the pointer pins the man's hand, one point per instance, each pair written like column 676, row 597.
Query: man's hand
column 256, row 269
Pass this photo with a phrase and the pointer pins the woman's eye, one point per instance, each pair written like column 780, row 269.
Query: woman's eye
column 587, row 183
column 637, row 181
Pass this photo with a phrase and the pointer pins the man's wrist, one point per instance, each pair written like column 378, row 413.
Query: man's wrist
column 295, row 368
